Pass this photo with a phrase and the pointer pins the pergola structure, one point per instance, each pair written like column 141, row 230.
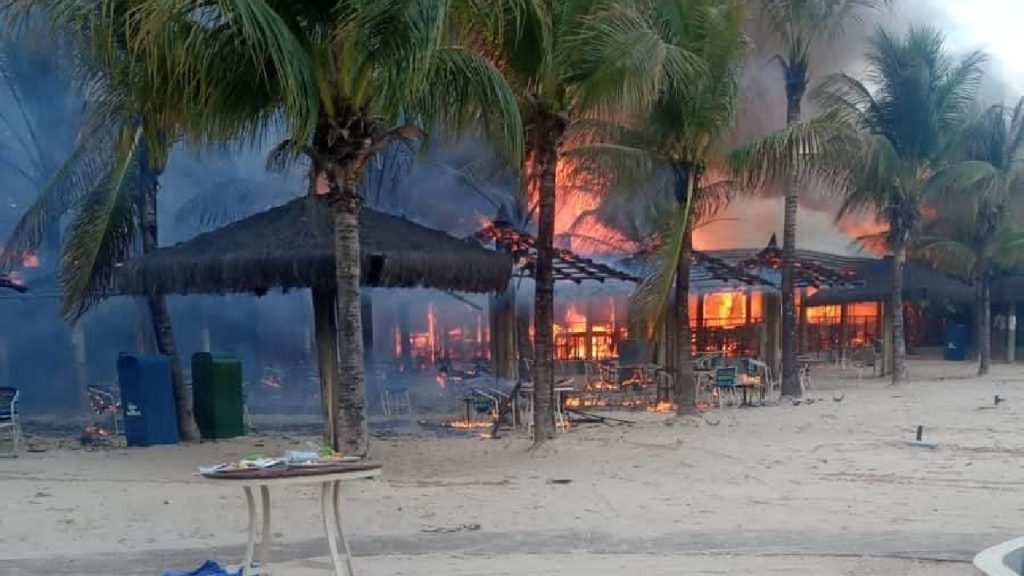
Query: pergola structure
column 568, row 266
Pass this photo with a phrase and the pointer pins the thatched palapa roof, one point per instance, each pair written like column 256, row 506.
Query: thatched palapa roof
column 873, row 283
column 292, row 246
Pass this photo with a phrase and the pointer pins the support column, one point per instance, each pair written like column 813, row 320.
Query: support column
column 502, row 314
column 366, row 311
column 772, row 330
column 803, row 346
column 699, row 330
column 887, row 359
column 404, row 334
column 588, row 352
column 1011, row 332
column 844, row 332
column 324, row 321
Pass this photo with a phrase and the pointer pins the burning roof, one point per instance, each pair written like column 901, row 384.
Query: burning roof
column 292, row 246
column 567, row 264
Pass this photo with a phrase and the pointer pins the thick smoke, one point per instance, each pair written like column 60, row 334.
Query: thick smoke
column 762, row 109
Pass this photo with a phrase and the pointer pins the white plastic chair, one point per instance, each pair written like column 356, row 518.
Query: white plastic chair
column 9, row 415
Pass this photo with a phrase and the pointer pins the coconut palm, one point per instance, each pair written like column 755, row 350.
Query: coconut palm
column 681, row 138
column 571, row 61
column 110, row 179
column 919, row 98
column 799, row 25
column 344, row 80
column 976, row 197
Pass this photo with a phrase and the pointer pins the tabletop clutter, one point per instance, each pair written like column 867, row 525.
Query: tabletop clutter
column 325, row 457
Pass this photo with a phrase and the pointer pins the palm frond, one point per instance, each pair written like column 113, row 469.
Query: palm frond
column 102, row 233
column 653, row 295
column 79, row 173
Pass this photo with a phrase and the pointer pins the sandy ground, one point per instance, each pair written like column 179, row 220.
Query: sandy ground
column 829, row 487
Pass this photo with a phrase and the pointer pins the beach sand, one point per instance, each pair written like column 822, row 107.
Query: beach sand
column 830, row 486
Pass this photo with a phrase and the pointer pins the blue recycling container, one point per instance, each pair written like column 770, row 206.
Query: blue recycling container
column 147, row 400
column 956, row 343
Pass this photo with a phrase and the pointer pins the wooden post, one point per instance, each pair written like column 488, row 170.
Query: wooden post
column 844, row 332
column 5, row 362
column 502, row 313
column 1011, row 332
column 366, row 311
column 772, row 330
column 699, row 325
column 81, row 362
column 404, row 331
column 887, row 343
column 803, row 345
column 324, row 321
column 588, row 353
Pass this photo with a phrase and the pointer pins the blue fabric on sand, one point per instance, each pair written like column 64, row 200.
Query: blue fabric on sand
column 209, row 568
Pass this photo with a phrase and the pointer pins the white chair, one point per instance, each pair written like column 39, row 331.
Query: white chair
column 9, row 415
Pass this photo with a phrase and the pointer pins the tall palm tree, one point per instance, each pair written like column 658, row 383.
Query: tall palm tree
column 682, row 137
column 976, row 196
column 799, row 25
column 345, row 80
column 109, row 180
column 571, row 61
column 916, row 98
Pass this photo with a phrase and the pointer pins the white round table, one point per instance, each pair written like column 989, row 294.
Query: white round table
column 329, row 477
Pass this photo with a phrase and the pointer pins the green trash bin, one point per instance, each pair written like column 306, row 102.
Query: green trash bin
column 217, row 395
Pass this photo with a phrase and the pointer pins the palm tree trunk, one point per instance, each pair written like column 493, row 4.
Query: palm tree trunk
column 352, row 433
column 796, row 85
column 685, row 392
column 160, row 315
column 899, row 338
column 545, row 166
column 984, row 324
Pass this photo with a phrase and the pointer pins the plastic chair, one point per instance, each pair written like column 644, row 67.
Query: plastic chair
column 9, row 415
column 725, row 383
column 395, row 400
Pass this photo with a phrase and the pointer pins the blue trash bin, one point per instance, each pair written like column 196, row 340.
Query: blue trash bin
column 147, row 400
column 956, row 343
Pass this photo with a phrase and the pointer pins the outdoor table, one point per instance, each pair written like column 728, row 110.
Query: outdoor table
column 329, row 477
column 744, row 388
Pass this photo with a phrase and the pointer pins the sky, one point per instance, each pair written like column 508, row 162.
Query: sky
column 993, row 26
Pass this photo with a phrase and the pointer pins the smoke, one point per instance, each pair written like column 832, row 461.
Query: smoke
column 762, row 109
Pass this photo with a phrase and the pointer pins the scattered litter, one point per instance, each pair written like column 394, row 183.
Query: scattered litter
column 838, row 398
column 920, row 442
column 560, row 481
column 999, row 400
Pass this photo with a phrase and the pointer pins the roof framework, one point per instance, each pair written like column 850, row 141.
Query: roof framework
column 568, row 266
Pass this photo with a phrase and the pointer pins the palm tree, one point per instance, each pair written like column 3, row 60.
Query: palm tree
column 109, row 181
column 976, row 197
column 572, row 61
column 799, row 25
column 681, row 137
column 918, row 99
column 345, row 80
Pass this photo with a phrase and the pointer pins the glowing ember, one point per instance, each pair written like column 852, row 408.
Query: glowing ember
column 468, row 424
column 663, row 406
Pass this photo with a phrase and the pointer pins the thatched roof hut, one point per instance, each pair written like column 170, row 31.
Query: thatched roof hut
column 292, row 246
column 873, row 283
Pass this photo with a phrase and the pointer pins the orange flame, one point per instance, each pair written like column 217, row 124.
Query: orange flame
column 30, row 260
